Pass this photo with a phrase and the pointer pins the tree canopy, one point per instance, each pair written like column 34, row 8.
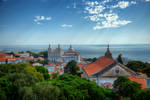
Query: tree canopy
column 72, row 68
column 139, row 66
column 24, row 82
column 44, row 71
column 75, row 88
column 19, row 76
column 126, row 88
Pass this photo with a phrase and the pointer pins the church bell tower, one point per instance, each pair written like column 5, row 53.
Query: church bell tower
column 108, row 54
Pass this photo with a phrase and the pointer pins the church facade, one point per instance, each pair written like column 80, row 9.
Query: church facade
column 58, row 55
column 106, row 70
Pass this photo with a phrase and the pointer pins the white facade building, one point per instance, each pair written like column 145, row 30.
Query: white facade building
column 58, row 55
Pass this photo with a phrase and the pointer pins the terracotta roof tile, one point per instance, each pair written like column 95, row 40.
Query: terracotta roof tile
column 97, row 66
column 12, row 59
column 2, row 59
column 4, row 55
column 139, row 80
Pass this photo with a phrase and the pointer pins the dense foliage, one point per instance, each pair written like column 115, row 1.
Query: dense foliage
column 72, row 68
column 143, row 95
column 44, row 53
column 44, row 71
column 126, row 88
column 16, row 76
column 41, row 91
column 76, row 88
column 24, row 82
column 91, row 59
column 139, row 66
column 36, row 55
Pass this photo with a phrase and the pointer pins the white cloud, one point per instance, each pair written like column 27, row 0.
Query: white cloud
column 124, row 4
column 110, row 20
column 121, row 4
column 113, row 24
column 49, row 18
column 133, row 2
column 147, row 0
column 66, row 26
column 95, row 9
column 40, row 19
column 105, row 1
column 104, row 16
column 38, row 23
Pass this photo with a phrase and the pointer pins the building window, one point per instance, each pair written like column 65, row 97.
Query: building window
column 117, row 70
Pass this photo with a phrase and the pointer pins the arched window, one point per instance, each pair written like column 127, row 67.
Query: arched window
column 117, row 70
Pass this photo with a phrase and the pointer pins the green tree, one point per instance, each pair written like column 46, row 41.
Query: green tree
column 143, row 95
column 46, row 91
column 72, row 68
column 44, row 62
column 55, row 75
column 20, row 75
column 44, row 53
column 35, row 55
column 146, row 70
column 41, row 91
column 91, row 59
column 43, row 71
column 6, row 88
column 126, row 88
column 73, row 87
column 139, row 66
column 27, row 93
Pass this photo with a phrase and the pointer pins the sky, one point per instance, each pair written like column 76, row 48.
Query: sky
column 42, row 22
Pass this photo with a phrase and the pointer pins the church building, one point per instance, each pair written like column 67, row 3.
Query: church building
column 58, row 55
column 106, row 70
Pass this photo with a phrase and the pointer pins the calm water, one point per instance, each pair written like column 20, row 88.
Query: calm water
column 132, row 52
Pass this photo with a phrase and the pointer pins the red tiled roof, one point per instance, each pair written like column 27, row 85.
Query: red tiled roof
column 12, row 59
column 70, row 51
column 61, row 71
column 4, row 55
column 71, row 54
column 82, row 75
column 139, row 80
column 35, row 63
column 50, row 64
column 77, row 53
column 97, row 66
column 28, row 58
column 2, row 59
column 18, row 54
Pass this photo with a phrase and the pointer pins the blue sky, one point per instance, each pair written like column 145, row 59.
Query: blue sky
column 24, row 22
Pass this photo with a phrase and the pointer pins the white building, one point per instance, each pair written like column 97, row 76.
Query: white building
column 25, row 55
column 58, row 55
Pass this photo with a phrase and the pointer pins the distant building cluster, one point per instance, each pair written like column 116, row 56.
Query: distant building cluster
column 14, row 58
column 58, row 55
column 6, row 58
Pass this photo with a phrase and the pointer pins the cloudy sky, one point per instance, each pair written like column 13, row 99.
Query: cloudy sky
column 74, row 22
